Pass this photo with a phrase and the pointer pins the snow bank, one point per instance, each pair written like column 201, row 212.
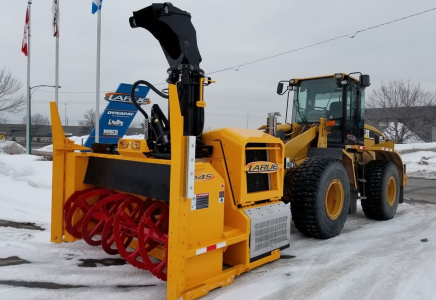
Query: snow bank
column 415, row 146
column 25, row 188
column 420, row 164
column 11, row 147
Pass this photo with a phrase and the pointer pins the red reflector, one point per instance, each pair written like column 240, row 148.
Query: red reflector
column 330, row 123
column 213, row 247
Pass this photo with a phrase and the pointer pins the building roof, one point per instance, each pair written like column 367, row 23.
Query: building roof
column 426, row 112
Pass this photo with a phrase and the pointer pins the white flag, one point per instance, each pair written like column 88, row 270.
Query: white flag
column 55, row 12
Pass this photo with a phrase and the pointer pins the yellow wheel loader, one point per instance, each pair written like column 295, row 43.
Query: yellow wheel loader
column 193, row 208
column 332, row 157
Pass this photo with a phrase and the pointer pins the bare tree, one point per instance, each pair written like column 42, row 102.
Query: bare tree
column 37, row 122
column 402, row 108
column 10, row 99
column 3, row 120
column 89, row 121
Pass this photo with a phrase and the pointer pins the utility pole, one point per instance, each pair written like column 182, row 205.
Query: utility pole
column 97, row 86
column 247, row 119
column 57, row 57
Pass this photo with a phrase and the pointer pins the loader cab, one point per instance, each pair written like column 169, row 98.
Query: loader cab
column 339, row 98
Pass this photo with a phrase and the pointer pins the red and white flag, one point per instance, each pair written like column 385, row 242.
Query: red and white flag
column 26, row 34
column 55, row 12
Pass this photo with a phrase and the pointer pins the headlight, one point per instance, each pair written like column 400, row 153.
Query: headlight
column 338, row 76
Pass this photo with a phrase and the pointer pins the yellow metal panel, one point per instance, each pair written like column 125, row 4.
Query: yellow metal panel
column 348, row 162
column 58, row 184
column 234, row 143
column 296, row 149
column 178, row 220
column 322, row 134
column 132, row 147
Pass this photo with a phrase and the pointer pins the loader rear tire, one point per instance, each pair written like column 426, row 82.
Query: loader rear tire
column 382, row 190
column 320, row 197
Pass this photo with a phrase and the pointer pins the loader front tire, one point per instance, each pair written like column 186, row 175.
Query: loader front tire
column 320, row 197
column 382, row 190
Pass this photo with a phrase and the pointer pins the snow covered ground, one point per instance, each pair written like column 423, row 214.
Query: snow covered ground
column 420, row 159
column 394, row 259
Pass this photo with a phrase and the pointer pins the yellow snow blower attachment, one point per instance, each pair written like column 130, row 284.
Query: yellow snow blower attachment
column 193, row 208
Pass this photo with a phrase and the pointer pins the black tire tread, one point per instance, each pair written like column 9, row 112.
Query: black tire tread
column 304, row 189
column 374, row 190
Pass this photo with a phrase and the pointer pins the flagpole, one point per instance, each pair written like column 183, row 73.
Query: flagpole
column 29, row 116
column 57, row 55
column 97, row 91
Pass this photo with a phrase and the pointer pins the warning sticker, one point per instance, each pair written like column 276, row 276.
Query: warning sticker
column 221, row 197
column 201, row 201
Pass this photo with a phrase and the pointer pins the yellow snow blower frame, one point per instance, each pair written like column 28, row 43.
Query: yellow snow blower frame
column 196, row 209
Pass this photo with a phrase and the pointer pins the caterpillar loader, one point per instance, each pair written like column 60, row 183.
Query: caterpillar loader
column 193, row 208
column 334, row 159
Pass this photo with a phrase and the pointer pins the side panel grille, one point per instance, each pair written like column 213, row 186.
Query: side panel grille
column 256, row 182
column 270, row 229
column 270, row 232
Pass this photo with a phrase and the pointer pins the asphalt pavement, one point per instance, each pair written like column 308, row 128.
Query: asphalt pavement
column 420, row 190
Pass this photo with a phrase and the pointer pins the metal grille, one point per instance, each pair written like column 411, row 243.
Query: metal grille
column 270, row 228
column 270, row 232
column 256, row 182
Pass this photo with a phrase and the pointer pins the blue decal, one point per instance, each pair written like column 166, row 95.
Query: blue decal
column 117, row 117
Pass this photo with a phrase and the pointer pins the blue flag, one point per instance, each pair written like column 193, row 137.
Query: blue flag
column 96, row 5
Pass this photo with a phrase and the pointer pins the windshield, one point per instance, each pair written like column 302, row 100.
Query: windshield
column 317, row 98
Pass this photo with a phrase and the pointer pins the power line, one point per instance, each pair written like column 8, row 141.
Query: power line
column 236, row 67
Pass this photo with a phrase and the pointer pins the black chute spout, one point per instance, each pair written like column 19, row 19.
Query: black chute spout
column 173, row 29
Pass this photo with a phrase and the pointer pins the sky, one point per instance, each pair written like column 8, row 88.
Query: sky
column 229, row 33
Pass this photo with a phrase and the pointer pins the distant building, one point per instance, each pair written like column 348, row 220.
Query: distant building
column 420, row 120
column 43, row 135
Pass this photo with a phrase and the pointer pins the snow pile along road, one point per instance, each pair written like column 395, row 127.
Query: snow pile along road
column 420, row 159
column 11, row 147
column 25, row 188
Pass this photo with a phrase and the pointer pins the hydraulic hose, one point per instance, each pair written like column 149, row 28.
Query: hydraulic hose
column 132, row 95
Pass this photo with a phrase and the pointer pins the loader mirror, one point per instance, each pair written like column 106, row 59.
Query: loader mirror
column 364, row 81
column 173, row 29
column 280, row 88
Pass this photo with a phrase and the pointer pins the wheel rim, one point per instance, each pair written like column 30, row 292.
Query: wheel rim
column 334, row 199
column 391, row 191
